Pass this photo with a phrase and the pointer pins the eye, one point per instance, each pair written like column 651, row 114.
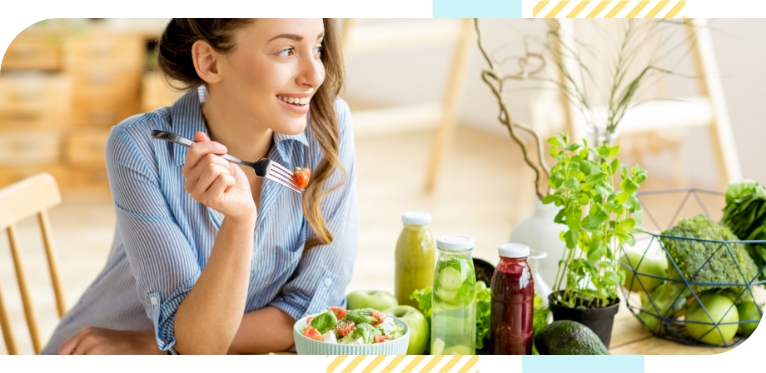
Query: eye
column 287, row 52
column 318, row 50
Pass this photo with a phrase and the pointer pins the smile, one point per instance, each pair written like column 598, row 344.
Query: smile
column 295, row 100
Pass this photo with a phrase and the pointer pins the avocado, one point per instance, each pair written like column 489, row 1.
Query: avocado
column 565, row 337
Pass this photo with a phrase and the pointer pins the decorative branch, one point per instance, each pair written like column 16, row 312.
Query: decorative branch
column 495, row 81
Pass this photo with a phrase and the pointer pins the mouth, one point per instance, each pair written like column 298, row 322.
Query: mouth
column 295, row 101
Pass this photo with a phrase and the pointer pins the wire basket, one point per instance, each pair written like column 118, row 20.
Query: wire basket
column 671, row 325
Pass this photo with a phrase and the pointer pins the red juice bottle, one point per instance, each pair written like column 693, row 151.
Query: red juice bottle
column 513, row 296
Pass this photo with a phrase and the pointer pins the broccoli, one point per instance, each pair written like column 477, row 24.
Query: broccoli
column 691, row 257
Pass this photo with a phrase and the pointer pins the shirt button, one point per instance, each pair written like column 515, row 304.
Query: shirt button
column 327, row 282
column 154, row 301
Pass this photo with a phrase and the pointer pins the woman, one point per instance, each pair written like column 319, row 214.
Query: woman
column 207, row 257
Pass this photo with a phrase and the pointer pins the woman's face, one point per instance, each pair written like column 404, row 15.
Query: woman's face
column 274, row 70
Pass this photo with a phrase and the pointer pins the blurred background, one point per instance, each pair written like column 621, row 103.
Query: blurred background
column 427, row 134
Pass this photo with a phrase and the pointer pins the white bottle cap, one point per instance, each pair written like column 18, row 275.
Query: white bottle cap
column 454, row 243
column 513, row 250
column 416, row 218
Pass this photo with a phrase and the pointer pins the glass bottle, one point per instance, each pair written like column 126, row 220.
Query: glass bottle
column 513, row 297
column 415, row 256
column 453, row 317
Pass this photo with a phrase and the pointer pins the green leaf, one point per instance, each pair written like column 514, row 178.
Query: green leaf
column 629, row 186
column 324, row 322
column 555, row 141
column 615, row 166
column 621, row 198
column 550, row 199
column 572, row 184
column 598, row 253
column 583, row 199
column 584, row 153
column 625, row 226
column 572, row 236
column 560, row 217
column 613, row 151
column 554, row 152
column 611, row 278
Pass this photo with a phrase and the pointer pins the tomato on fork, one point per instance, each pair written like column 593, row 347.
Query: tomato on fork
column 301, row 177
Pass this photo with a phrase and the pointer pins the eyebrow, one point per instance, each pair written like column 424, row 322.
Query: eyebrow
column 294, row 37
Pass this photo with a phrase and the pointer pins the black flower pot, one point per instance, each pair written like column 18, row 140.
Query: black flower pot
column 599, row 320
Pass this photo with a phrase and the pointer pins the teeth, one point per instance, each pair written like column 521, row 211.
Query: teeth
column 295, row 100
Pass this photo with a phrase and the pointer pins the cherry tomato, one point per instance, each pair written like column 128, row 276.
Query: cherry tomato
column 381, row 339
column 312, row 333
column 380, row 316
column 344, row 327
column 339, row 312
column 302, row 176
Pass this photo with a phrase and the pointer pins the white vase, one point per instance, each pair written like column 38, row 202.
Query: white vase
column 540, row 233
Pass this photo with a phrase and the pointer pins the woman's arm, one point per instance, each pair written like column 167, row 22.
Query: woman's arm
column 208, row 317
column 262, row 331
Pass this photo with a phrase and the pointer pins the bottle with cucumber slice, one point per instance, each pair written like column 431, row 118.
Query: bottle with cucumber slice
column 453, row 318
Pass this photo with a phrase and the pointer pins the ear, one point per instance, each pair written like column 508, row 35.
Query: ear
column 206, row 61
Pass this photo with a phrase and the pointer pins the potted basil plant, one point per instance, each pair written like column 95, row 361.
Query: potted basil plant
column 599, row 219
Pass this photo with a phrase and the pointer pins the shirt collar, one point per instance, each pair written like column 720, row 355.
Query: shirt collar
column 186, row 120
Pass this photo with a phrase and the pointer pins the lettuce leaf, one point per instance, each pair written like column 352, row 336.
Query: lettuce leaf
column 324, row 322
column 423, row 297
column 361, row 316
column 483, row 308
column 539, row 320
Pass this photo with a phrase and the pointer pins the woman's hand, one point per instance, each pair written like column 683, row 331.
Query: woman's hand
column 99, row 341
column 216, row 182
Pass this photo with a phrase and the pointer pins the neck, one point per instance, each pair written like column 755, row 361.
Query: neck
column 231, row 126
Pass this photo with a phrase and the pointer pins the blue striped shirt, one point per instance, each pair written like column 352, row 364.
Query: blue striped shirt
column 164, row 237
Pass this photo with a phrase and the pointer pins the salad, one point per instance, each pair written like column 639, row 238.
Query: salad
column 360, row 327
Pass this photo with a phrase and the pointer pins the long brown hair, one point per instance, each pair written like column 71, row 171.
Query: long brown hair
column 174, row 59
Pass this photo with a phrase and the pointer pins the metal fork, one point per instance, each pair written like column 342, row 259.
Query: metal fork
column 264, row 167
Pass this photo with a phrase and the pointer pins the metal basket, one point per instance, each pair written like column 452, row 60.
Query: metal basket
column 674, row 327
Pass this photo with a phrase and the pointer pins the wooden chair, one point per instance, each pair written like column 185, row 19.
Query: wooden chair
column 646, row 122
column 442, row 116
column 31, row 196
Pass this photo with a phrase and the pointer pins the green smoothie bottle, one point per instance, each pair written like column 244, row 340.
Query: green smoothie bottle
column 415, row 256
column 453, row 312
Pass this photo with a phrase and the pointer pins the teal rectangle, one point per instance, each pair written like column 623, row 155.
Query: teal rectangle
column 476, row 8
column 582, row 364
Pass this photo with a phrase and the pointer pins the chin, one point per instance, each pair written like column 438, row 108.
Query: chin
column 292, row 126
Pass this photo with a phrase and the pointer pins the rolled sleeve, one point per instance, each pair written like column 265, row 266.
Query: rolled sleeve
column 161, row 258
column 324, row 272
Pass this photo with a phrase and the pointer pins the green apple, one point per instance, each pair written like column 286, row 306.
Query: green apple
column 652, row 265
column 748, row 311
column 723, row 313
column 379, row 300
column 419, row 330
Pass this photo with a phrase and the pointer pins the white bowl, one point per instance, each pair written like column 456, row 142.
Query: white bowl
column 307, row 346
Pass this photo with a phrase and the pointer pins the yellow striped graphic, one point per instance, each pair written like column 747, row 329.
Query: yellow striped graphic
column 402, row 364
column 609, row 9
column 657, row 8
column 538, row 8
column 557, row 9
column 598, row 9
column 617, row 8
column 633, row 13
column 578, row 9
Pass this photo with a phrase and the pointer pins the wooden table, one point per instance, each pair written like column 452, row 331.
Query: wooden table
column 629, row 337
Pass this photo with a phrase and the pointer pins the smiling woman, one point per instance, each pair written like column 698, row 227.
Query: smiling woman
column 208, row 258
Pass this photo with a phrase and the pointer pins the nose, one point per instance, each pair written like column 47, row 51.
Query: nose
column 311, row 71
